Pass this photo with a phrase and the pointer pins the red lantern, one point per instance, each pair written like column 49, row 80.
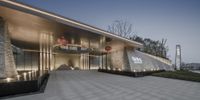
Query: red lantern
column 108, row 48
column 62, row 41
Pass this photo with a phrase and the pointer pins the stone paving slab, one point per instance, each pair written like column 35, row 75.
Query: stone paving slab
column 93, row 85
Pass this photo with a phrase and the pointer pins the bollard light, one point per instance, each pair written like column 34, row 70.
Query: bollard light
column 134, row 70
column 108, row 68
column 8, row 79
column 24, row 74
column 18, row 77
column 71, row 68
column 29, row 75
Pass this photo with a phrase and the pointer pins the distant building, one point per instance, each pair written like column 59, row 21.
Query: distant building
column 191, row 66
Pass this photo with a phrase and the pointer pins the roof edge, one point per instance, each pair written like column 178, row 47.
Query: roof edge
column 57, row 17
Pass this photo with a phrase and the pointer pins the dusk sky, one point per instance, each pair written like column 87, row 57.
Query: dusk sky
column 176, row 20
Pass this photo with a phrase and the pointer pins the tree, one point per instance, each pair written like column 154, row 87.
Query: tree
column 157, row 48
column 121, row 28
column 154, row 47
column 137, row 38
column 163, row 48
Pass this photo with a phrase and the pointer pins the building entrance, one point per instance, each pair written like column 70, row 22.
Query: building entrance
column 83, row 61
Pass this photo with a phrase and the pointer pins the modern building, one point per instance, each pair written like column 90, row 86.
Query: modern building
column 35, row 39
column 190, row 66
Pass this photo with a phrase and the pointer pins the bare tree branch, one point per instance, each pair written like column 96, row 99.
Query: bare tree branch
column 121, row 28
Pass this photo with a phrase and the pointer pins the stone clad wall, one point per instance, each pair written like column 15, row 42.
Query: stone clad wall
column 117, row 59
column 2, row 59
column 7, row 63
column 126, row 61
column 120, row 59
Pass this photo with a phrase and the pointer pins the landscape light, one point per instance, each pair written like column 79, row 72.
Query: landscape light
column 108, row 68
column 29, row 75
column 24, row 74
column 72, row 68
column 134, row 70
column 8, row 79
column 144, row 70
column 18, row 76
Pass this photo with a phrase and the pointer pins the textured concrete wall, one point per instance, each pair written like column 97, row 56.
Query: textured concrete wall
column 7, row 63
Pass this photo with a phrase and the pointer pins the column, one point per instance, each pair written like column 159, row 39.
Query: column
column 7, row 63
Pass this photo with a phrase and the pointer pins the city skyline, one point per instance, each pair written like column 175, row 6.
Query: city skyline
column 176, row 20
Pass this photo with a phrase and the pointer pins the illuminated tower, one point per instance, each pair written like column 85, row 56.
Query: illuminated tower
column 178, row 57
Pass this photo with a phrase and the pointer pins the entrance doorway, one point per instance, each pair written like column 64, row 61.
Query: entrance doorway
column 83, row 61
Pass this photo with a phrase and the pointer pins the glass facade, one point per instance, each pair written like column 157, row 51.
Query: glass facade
column 55, row 50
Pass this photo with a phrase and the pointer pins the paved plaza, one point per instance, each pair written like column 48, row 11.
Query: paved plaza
column 93, row 85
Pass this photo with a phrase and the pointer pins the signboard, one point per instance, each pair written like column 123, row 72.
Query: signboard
column 136, row 60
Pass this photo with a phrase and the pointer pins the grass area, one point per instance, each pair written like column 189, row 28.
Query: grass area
column 182, row 75
column 129, row 73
